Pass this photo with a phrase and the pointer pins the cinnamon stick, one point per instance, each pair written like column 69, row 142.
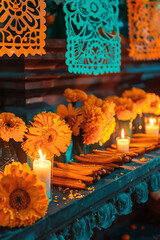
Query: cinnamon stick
column 97, row 167
column 151, row 148
column 98, row 160
column 58, row 172
column 108, row 153
column 71, row 183
column 113, row 165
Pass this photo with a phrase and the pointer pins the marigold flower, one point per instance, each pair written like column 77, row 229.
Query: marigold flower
column 125, row 109
column 11, row 127
column 74, row 95
column 154, row 103
column 73, row 116
column 93, row 100
column 114, row 99
column 49, row 133
column 96, row 126
column 108, row 108
column 23, row 198
column 139, row 97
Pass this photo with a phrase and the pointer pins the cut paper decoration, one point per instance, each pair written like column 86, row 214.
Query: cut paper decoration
column 93, row 42
column 22, row 29
column 144, row 29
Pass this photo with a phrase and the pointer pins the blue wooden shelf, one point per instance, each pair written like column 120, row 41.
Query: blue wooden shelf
column 109, row 197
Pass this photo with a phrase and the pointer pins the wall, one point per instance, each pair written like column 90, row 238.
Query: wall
column 26, row 82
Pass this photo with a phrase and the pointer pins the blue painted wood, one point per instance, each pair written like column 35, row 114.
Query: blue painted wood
column 114, row 190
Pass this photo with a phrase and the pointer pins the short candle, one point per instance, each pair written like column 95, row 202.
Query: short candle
column 42, row 168
column 152, row 128
column 123, row 143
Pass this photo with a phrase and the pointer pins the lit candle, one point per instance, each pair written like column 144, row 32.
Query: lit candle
column 42, row 168
column 152, row 128
column 123, row 143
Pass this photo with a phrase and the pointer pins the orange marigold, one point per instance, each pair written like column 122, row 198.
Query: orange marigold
column 74, row 95
column 96, row 127
column 11, row 127
column 125, row 109
column 73, row 116
column 23, row 198
column 49, row 133
column 139, row 97
column 154, row 104
column 93, row 100
column 108, row 108
column 114, row 99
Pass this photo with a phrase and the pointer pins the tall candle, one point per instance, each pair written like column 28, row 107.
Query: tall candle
column 152, row 128
column 42, row 168
column 123, row 143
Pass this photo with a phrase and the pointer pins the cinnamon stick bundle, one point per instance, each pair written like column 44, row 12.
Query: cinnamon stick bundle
column 71, row 183
column 136, row 145
column 144, row 135
column 58, row 172
column 142, row 145
column 81, row 170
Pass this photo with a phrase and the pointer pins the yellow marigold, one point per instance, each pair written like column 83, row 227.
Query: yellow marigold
column 96, row 127
column 74, row 95
column 139, row 97
column 93, row 100
column 11, row 127
column 114, row 99
column 73, row 116
column 135, row 94
column 49, row 133
column 109, row 124
column 23, row 198
column 108, row 108
column 154, row 103
column 125, row 109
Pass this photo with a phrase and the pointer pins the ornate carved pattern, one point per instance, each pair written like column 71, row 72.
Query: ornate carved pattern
column 144, row 30
column 105, row 215
column 141, row 192
column 22, row 27
column 82, row 229
column 93, row 36
column 123, row 204
column 154, row 183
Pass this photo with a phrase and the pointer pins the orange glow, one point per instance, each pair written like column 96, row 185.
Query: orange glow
column 122, row 133
column 42, row 157
column 144, row 32
column 152, row 121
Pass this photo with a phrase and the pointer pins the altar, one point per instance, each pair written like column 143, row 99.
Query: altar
column 75, row 214
column 79, row 116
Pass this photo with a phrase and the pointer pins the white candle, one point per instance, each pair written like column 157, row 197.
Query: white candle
column 152, row 128
column 123, row 143
column 42, row 168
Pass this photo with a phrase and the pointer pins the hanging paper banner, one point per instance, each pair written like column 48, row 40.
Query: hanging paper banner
column 22, row 29
column 144, row 29
column 93, row 42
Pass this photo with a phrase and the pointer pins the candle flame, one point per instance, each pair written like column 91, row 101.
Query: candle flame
column 122, row 133
column 42, row 157
column 152, row 121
